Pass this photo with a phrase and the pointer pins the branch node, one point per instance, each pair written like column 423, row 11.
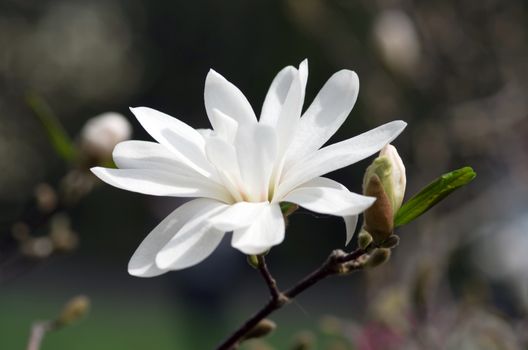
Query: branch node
column 282, row 300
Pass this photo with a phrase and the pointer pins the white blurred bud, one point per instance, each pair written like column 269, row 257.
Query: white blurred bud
column 397, row 40
column 398, row 179
column 46, row 197
column 62, row 236
column 102, row 133
column 38, row 248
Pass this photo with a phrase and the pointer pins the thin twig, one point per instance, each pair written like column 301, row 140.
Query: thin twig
column 270, row 281
column 338, row 262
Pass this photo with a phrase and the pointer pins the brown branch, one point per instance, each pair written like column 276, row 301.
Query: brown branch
column 338, row 262
column 270, row 281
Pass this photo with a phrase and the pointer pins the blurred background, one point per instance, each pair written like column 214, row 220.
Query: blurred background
column 455, row 70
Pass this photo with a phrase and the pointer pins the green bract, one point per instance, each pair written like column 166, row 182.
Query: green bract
column 432, row 194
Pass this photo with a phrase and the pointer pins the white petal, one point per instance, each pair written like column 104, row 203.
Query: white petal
column 326, row 196
column 227, row 98
column 290, row 114
column 226, row 127
column 283, row 104
column 350, row 224
column 187, row 143
column 195, row 240
column 149, row 155
column 256, row 148
column 223, row 156
column 303, row 74
column 205, row 132
column 161, row 183
column 325, row 115
column 238, row 215
column 143, row 262
column 277, row 93
column 339, row 155
column 266, row 231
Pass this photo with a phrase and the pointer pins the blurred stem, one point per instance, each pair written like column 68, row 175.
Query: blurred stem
column 38, row 332
column 337, row 263
column 57, row 135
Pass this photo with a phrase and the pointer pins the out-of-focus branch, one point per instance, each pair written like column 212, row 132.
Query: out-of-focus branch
column 43, row 228
column 38, row 331
column 74, row 309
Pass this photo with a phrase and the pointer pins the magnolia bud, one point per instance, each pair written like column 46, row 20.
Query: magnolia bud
column 385, row 180
column 102, row 133
column 395, row 187
column 379, row 217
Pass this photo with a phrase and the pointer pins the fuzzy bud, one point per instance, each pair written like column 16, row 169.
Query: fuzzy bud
column 378, row 257
column 102, row 133
column 391, row 242
column 64, row 239
column 262, row 329
column 46, row 197
column 37, row 248
column 303, row 341
column 73, row 311
column 364, row 239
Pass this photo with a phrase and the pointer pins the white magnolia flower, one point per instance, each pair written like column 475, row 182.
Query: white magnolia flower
column 243, row 167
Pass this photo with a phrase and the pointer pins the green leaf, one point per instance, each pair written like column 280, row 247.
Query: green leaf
column 57, row 135
column 432, row 194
